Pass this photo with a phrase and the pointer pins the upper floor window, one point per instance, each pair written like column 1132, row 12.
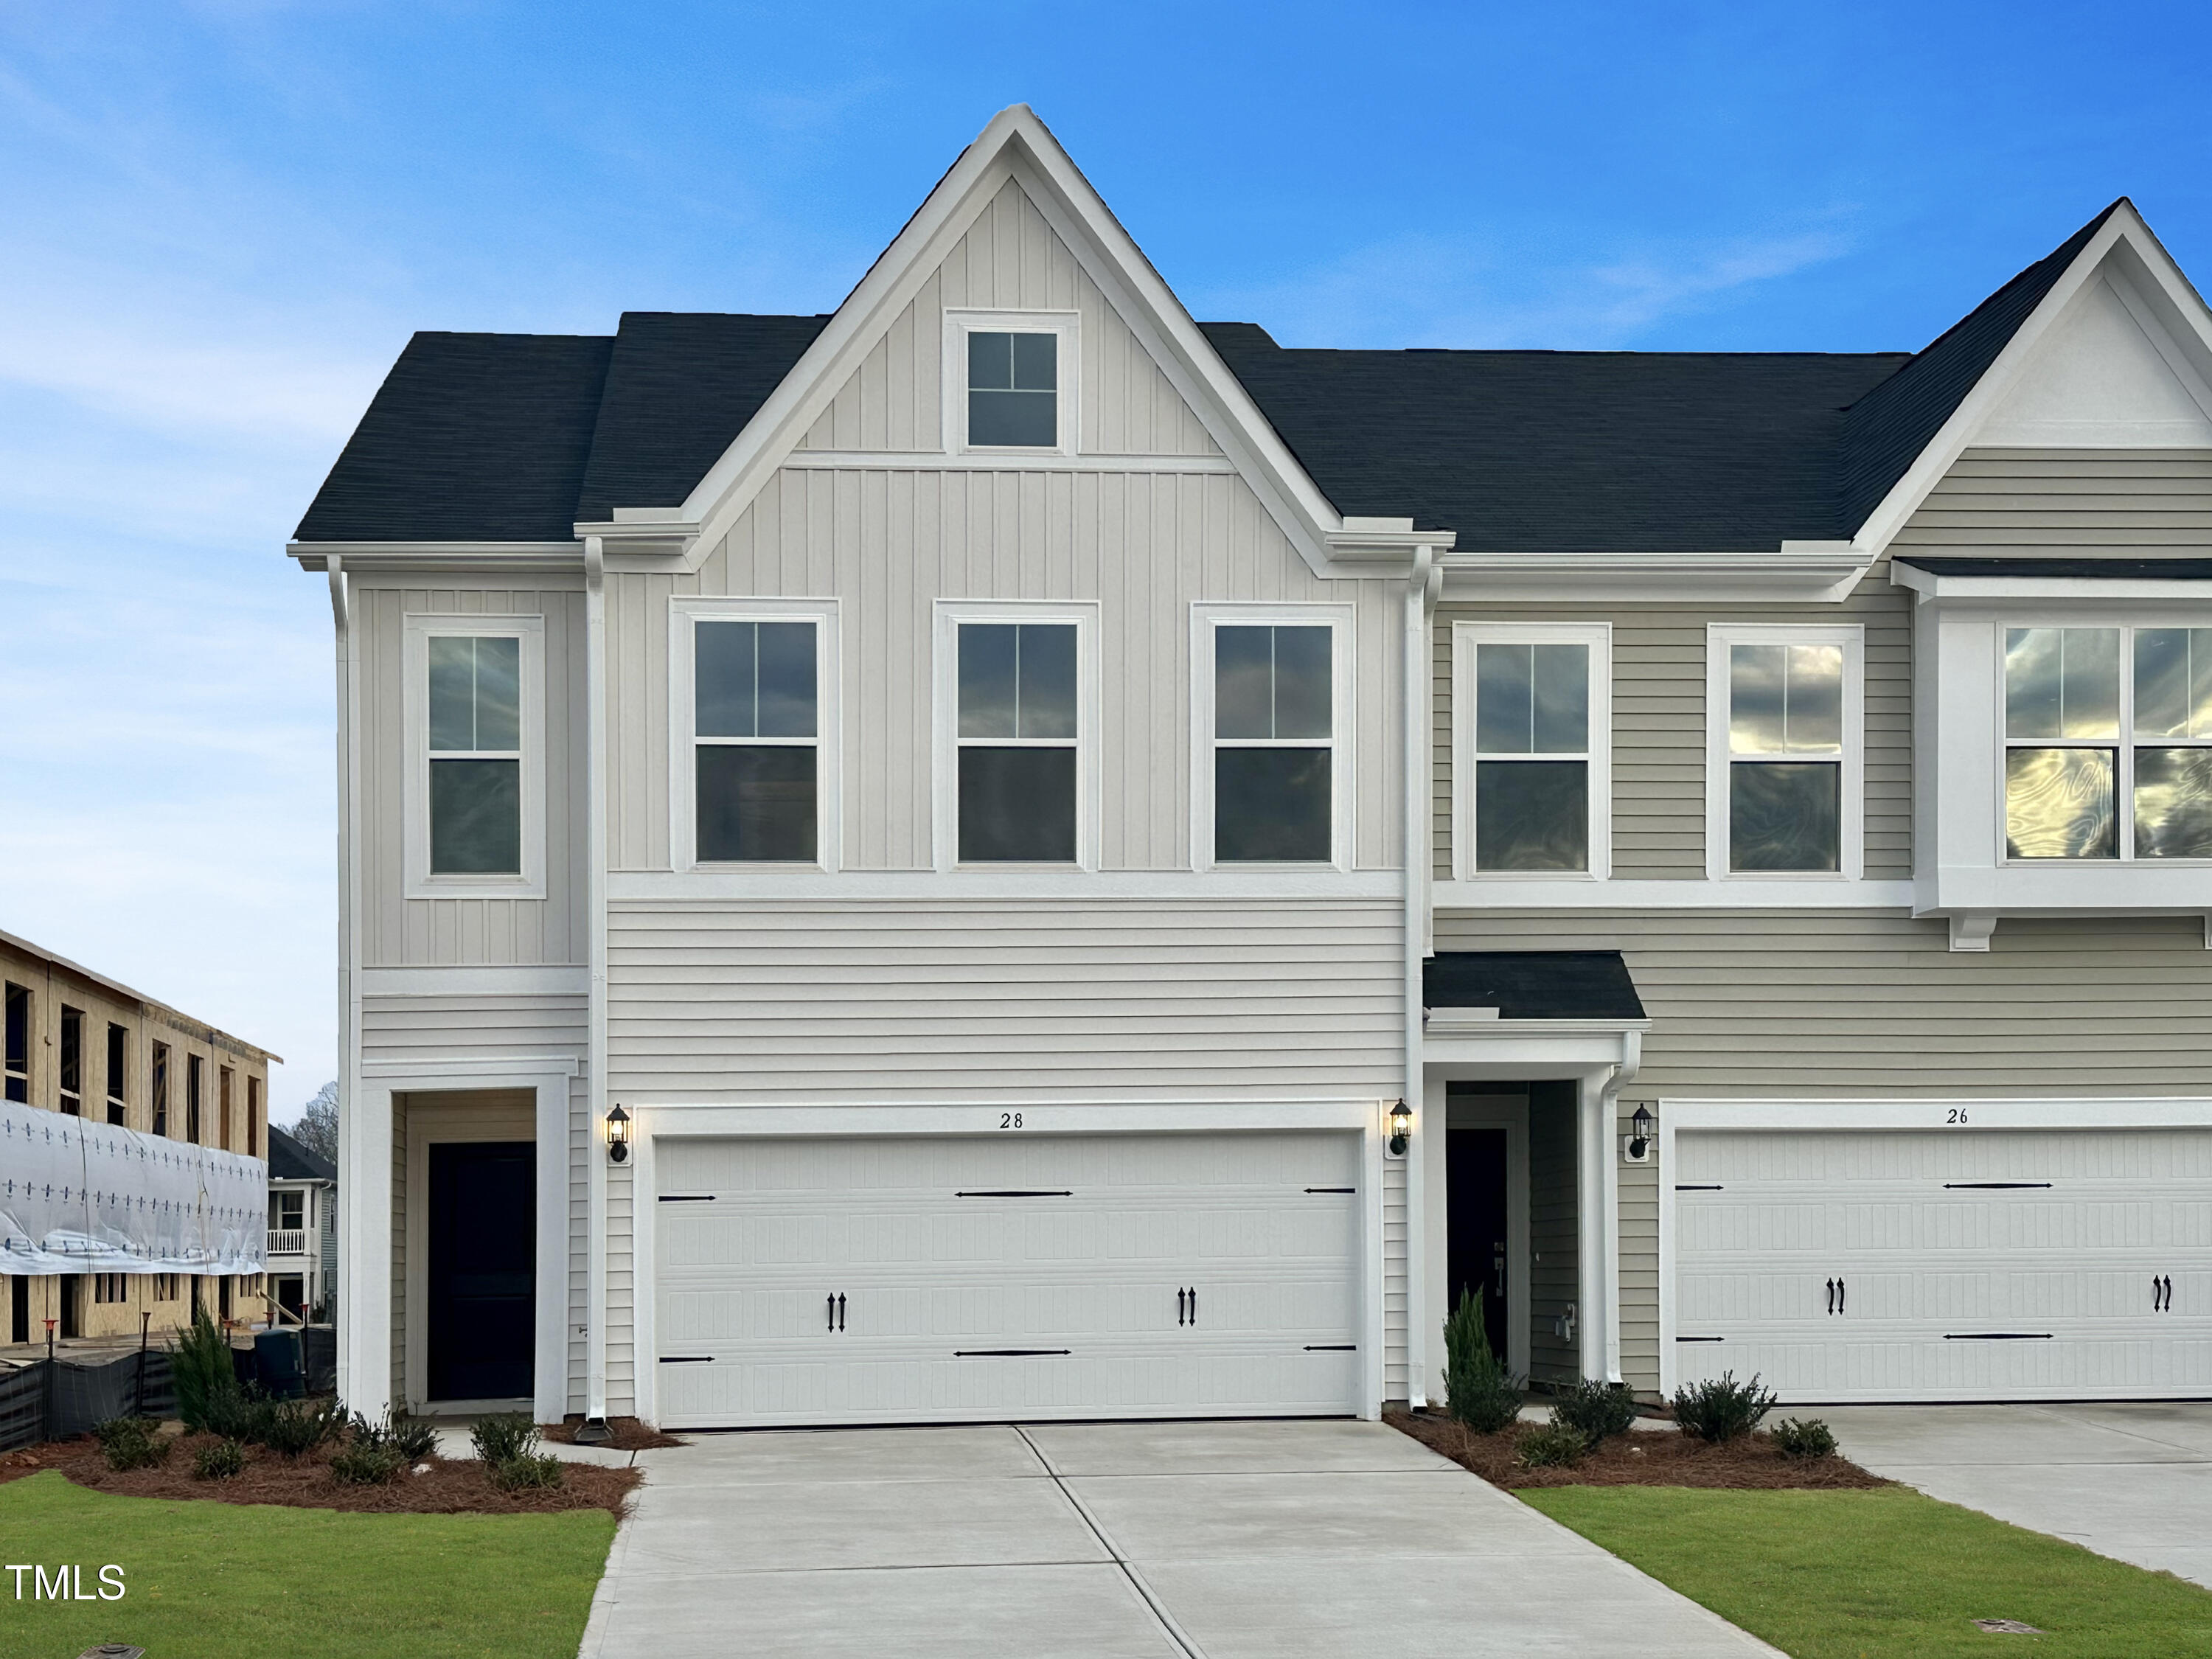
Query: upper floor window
column 17, row 1069
column 72, row 1061
column 1013, row 390
column 757, row 718
column 1533, row 748
column 1270, row 761
column 288, row 1212
column 1017, row 733
column 2108, row 742
column 475, row 701
column 1788, row 750
column 253, row 1117
column 1010, row 379
column 194, row 1070
column 118, row 1073
column 157, row 1088
column 753, row 729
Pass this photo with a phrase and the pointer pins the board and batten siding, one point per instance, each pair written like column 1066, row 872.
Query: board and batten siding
column 1143, row 546
column 399, row 932
column 1848, row 1003
column 1010, row 260
column 1659, row 723
column 2061, row 502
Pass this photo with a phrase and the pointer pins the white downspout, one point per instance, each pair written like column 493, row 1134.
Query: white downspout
column 595, row 910
column 1420, row 595
column 356, row 1314
column 1632, row 1062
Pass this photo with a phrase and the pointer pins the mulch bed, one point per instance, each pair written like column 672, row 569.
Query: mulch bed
column 628, row 1433
column 1639, row 1458
column 446, row 1487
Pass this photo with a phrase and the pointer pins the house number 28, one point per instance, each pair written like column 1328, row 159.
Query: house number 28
column 1010, row 1120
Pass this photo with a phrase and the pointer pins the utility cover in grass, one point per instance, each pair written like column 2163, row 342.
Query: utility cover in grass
column 2007, row 1627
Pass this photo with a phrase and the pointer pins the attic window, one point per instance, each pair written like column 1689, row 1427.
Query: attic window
column 1013, row 390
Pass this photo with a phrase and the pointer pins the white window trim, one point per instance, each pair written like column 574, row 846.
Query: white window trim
column 684, row 614
column 1068, row 376
column 2123, row 746
column 1719, row 636
column 944, row 725
column 1598, row 636
column 1204, row 617
column 418, row 629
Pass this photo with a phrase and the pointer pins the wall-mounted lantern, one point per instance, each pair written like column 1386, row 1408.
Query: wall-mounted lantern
column 1401, row 1128
column 618, row 1136
column 1642, row 1127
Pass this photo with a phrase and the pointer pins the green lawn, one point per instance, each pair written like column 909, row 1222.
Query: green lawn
column 217, row 1581
column 1886, row 1574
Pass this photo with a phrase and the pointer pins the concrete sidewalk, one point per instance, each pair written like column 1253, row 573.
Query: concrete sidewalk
column 2130, row 1479
column 1226, row 1540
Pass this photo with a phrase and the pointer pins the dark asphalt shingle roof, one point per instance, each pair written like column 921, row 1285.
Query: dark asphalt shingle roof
column 290, row 1161
column 2097, row 569
column 1533, row 984
column 489, row 437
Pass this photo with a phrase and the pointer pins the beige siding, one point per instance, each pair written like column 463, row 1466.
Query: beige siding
column 853, row 1001
column 1010, row 260
column 1554, row 1245
column 1659, row 723
column 1143, row 546
column 2062, row 502
column 1640, row 1266
column 400, row 932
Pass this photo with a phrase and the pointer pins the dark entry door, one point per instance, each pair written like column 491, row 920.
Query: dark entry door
column 1475, row 1168
column 481, row 1270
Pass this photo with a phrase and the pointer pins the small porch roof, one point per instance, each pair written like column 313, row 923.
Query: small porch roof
column 1534, row 985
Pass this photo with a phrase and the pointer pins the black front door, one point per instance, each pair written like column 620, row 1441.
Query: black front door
column 482, row 1269
column 1475, row 1170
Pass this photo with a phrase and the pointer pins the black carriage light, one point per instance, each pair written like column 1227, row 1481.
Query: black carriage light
column 1401, row 1128
column 1640, row 1128
column 618, row 1136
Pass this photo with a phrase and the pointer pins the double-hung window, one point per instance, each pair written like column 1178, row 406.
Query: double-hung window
column 753, row 695
column 1017, row 734
column 1269, row 744
column 1532, row 758
column 474, row 702
column 1786, row 773
column 2108, row 742
column 1010, row 380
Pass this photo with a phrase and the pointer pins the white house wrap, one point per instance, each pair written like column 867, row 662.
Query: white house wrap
column 91, row 1197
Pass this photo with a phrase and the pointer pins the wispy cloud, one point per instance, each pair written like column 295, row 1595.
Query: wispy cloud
column 1430, row 291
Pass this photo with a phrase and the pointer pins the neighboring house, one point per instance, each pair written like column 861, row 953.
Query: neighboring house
column 902, row 865
column 147, row 1208
column 303, row 1208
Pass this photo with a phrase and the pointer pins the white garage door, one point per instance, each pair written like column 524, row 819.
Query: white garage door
column 1965, row 1265
column 855, row 1279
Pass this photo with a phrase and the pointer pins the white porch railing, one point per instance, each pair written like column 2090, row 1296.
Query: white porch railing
column 287, row 1241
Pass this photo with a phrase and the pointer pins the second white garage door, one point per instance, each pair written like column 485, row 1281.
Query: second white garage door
column 853, row 1280
column 1946, row 1265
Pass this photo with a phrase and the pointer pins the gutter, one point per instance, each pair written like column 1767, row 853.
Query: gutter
column 1422, row 588
column 1632, row 1062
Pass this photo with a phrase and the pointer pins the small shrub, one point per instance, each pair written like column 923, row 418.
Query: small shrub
column 1555, row 1446
column 366, row 1464
column 219, row 1460
column 416, row 1438
column 541, row 1470
column 1722, row 1408
column 131, row 1442
column 1479, row 1392
column 504, row 1438
column 1595, row 1410
column 238, row 1413
column 294, row 1427
column 1809, row 1438
column 200, row 1361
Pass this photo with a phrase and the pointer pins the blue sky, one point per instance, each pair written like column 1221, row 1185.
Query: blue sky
column 219, row 222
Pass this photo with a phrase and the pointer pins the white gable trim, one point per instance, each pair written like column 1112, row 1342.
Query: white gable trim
column 1016, row 145
column 2156, row 293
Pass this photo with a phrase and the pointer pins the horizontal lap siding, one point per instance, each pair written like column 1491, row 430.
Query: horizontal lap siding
column 902, row 1002
column 399, row 932
column 1659, row 723
column 1553, row 1243
column 2147, row 502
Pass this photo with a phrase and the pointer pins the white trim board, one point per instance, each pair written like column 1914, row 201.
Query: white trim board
column 1585, row 893
column 1280, row 883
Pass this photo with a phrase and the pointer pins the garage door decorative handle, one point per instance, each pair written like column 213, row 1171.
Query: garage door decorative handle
column 837, row 1309
column 2161, row 1296
column 1836, row 1294
column 1187, row 1306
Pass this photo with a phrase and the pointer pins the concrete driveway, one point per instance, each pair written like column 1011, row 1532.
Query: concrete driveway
column 2132, row 1480
column 1274, row 1541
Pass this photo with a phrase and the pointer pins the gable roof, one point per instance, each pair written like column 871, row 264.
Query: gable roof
column 1886, row 429
column 290, row 1160
column 1568, row 450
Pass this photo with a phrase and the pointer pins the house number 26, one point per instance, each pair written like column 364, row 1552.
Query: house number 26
column 1010, row 1120
column 1957, row 1114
